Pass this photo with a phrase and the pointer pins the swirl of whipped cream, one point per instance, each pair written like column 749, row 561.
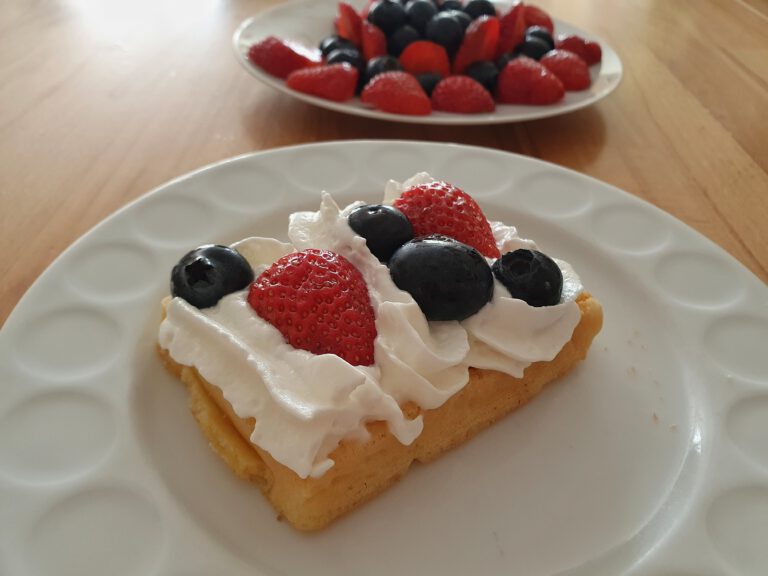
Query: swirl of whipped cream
column 305, row 404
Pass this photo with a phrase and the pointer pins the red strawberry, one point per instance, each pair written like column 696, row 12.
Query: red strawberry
column 348, row 24
column 480, row 43
column 572, row 70
column 332, row 82
column 373, row 40
column 537, row 17
column 441, row 208
column 511, row 29
column 367, row 8
column 463, row 95
column 525, row 81
column 319, row 302
column 280, row 57
column 589, row 51
column 396, row 92
column 425, row 56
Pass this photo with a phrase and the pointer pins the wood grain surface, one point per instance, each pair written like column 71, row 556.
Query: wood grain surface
column 103, row 100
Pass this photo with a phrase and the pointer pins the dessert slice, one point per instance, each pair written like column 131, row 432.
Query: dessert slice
column 381, row 335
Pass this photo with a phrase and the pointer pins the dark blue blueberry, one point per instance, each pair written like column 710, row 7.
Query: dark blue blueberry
column 331, row 43
column 445, row 30
column 428, row 81
column 484, row 72
column 449, row 280
column 532, row 47
column 208, row 273
column 542, row 34
column 384, row 228
column 388, row 15
column 401, row 38
column 451, row 5
column 419, row 13
column 477, row 8
column 379, row 65
column 461, row 17
column 502, row 60
column 531, row 276
column 349, row 55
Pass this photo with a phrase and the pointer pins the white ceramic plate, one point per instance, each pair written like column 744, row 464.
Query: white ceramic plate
column 650, row 458
column 309, row 21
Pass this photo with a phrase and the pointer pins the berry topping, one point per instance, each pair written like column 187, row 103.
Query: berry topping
column 440, row 208
column 349, row 55
column 533, row 47
column 425, row 56
column 398, row 93
column 451, row 5
column 445, row 30
column 428, row 81
column 477, row 8
column 401, row 38
column 449, row 280
column 525, row 81
column 589, row 51
column 331, row 43
column 348, row 23
column 419, row 12
column 512, row 29
column 388, row 15
column 479, row 43
column 484, row 72
column 535, row 16
column 380, row 65
column 333, row 82
column 319, row 302
column 462, row 95
column 461, row 17
column 384, row 228
column 208, row 273
column 280, row 58
column 542, row 34
column 572, row 71
column 373, row 40
column 531, row 276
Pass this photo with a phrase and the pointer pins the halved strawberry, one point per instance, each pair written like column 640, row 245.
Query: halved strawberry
column 570, row 68
column 525, row 81
column 424, row 56
column 348, row 24
column 535, row 16
column 511, row 29
column 281, row 57
column 463, row 95
column 396, row 92
column 588, row 50
column 333, row 82
column 480, row 42
column 373, row 40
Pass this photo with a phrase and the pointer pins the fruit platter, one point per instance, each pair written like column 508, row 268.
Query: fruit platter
column 428, row 61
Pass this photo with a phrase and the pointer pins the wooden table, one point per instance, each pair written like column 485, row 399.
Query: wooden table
column 102, row 100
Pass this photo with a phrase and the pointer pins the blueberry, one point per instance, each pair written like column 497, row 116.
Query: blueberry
column 484, row 72
column 451, row 5
column 388, row 15
column 428, row 81
column 331, row 43
column 208, row 273
column 384, row 228
column 461, row 17
column 401, row 38
column 379, row 65
column 419, row 12
column 445, row 30
column 505, row 58
column 349, row 55
column 542, row 34
column 449, row 280
column 531, row 276
column 532, row 47
column 477, row 8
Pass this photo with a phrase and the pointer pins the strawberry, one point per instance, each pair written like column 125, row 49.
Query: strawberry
column 441, row 208
column 333, row 82
column 463, row 95
column 319, row 302
column 373, row 41
column 424, row 56
column 511, row 29
column 525, row 81
column 572, row 71
column 280, row 58
column 537, row 17
column 589, row 51
column 348, row 24
column 480, row 43
column 396, row 92
column 367, row 8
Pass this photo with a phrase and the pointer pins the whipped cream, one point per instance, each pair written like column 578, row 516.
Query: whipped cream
column 305, row 404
